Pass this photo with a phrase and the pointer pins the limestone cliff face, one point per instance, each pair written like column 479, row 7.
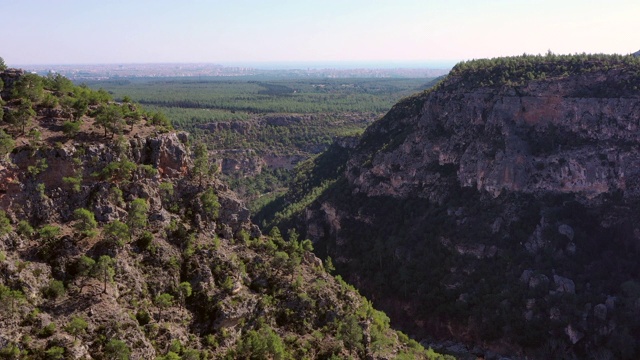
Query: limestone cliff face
column 502, row 215
column 577, row 134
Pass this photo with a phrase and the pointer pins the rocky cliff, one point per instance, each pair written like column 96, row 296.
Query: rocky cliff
column 572, row 134
column 122, row 245
column 500, row 208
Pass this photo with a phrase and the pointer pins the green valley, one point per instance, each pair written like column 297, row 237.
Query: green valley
column 259, row 127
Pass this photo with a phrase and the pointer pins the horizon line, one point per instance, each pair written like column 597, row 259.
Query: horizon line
column 281, row 65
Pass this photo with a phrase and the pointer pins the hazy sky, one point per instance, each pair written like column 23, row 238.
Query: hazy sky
column 231, row 31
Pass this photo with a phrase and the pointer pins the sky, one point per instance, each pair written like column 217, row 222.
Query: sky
column 232, row 32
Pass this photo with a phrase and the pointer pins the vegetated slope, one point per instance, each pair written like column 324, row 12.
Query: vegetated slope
column 498, row 209
column 122, row 245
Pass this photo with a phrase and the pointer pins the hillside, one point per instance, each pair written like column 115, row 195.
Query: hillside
column 117, row 242
column 497, row 209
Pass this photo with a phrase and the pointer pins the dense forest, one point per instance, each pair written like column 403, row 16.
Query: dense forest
column 191, row 102
column 517, row 70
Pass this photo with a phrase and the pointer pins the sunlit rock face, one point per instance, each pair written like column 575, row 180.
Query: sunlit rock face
column 572, row 135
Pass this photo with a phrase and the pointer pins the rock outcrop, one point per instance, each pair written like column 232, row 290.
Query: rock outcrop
column 569, row 135
column 9, row 78
column 471, row 210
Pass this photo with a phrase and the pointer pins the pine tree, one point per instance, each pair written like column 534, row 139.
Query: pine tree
column 104, row 269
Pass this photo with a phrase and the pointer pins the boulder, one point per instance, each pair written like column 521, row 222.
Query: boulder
column 564, row 284
column 611, row 302
column 168, row 154
column 9, row 78
column 573, row 334
column 526, row 276
column 566, row 230
column 600, row 312
column 538, row 280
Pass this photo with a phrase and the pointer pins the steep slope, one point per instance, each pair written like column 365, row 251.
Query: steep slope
column 497, row 209
column 122, row 245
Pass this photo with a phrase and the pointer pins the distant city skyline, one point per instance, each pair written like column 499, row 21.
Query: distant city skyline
column 281, row 65
column 290, row 32
column 121, row 71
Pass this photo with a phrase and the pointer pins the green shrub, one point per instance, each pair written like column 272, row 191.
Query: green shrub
column 350, row 332
column 228, row 284
column 160, row 119
column 117, row 350
column 54, row 290
column 118, row 170
column 307, row 245
column 6, row 142
column 5, row 224
column 262, row 344
column 143, row 317
column 40, row 166
column 145, row 240
column 190, row 354
column 244, row 237
column 148, row 170
column 117, row 232
column 170, row 356
column 115, row 196
column 163, row 301
column 10, row 299
column 167, row 190
column 40, row 188
column 175, row 346
column 54, row 353
column 85, row 265
column 24, row 228
column 10, row 351
column 138, row 209
column 184, row 290
column 210, row 204
column 86, row 222
column 74, row 181
column 49, row 232
column 47, row 331
column 76, row 326
column 70, row 128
